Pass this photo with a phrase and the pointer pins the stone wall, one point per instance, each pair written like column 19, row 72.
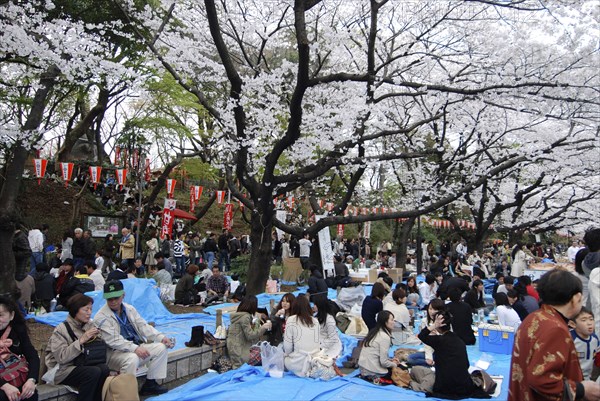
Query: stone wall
column 182, row 363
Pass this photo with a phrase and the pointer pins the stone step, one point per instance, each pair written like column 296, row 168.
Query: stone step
column 183, row 362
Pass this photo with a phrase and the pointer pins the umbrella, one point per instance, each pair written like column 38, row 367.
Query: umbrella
column 182, row 214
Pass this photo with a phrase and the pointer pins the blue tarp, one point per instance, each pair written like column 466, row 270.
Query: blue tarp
column 144, row 296
column 251, row 383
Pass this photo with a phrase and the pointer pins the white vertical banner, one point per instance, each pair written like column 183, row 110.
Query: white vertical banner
column 367, row 229
column 281, row 216
column 326, row 249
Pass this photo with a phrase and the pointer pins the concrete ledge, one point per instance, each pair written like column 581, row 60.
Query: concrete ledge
column 183, row 362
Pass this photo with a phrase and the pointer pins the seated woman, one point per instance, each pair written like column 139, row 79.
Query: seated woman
column 507, row 316
column 15, row 337
column 279, row 316
column 185, row 291
column 162, row 276
column 330, row 340
column 452, row 378
column 462, row 318
column 62, row 350
column 374, row 361
column 425, row 358
column 398, row 308
column 301, row 339
column 413, row 296
column 372, row 305
column 244, row 331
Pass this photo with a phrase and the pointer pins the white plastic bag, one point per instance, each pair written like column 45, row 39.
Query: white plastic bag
column 272, row 359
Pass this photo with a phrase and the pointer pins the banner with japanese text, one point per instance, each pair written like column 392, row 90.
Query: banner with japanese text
column 228, row 216
column 168, row 218
column 326, row 249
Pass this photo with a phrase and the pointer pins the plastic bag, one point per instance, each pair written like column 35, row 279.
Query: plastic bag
column 271, row 287
column 350, row 296
column 272, row 359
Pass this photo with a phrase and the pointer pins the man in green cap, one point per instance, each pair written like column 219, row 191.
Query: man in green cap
column 132, row 342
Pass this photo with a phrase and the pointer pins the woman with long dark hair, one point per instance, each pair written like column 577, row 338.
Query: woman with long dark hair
column 244, row 331
column 374, row 362
column 412, row 292
column 14, row 338
column 301, row 338
column 425, row 358
column 330, row 340
column 279, row 316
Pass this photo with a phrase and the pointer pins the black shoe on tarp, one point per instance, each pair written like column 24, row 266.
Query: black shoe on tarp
column 151, row 387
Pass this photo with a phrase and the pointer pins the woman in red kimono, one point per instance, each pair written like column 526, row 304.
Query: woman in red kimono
column 544, row 361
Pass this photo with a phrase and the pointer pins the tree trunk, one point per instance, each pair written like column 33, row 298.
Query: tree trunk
column 75, row 217
column 402, row 242
column 260, row 256
column 261, row 229
column 96, row 113
column 9, row 216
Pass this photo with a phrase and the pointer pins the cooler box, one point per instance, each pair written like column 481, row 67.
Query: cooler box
column 495, row 338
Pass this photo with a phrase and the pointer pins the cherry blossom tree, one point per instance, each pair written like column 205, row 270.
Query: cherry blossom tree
column 38, row 53
column 296, row 92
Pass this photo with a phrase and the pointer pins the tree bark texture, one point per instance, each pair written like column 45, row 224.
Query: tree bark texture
column 9, row 215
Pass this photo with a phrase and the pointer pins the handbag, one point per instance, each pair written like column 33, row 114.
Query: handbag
column 122, row 387
column 255, row 359
column 400, row 377
column 210, row 339
column 484, row 381
column 13, row 368
column 93, row 352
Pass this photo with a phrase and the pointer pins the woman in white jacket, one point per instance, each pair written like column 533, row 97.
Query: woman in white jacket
column 374, row 361
column 301, row 339
column 520, row 260
column 330, row 340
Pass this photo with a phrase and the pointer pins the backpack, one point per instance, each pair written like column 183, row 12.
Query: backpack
column 123, row 387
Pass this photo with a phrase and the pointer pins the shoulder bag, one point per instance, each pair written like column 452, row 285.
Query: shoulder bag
column 93, row 351
column 13, row 368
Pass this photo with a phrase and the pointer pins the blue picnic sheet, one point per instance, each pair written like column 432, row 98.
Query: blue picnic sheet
column 252, row 383
column 144, row 296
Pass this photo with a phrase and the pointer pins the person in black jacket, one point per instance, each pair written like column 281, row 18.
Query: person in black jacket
column 22, row 252
column 316, row 282
column 17, row 340
column 475, row 296
column 224, row 260
column 44, row 285
column 80, row 283
column 453, row 282
column 462, row 319
column 372, row 305
column 210, row 250
column 452, row 378
column 515, row 300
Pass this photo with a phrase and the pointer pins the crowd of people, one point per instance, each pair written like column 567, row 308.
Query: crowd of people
column 555, row 314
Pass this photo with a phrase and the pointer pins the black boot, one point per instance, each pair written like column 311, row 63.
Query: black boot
column 151, row 387
column 197, row 337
